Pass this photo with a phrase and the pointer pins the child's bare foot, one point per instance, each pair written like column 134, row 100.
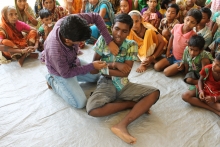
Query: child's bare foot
column 122, row 133
column 21, row 60
column 141, row 68
column 148, row 112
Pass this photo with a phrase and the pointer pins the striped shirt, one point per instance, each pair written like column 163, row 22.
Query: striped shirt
column 62, row 60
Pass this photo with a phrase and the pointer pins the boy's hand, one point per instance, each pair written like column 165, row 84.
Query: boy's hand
column 168, row 54
column 147, row 61
column 113, row 48
column 124, row 68
column 201, row 96
column 209, row 99
column 99, row 64
column 180, row 67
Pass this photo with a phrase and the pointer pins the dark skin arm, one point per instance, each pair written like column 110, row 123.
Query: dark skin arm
column 13, row 50
column 115, row 69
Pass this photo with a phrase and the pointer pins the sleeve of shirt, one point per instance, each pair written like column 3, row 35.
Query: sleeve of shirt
column 24, row 26
column 160, row 27
column 142, row 11
column 132, row 51
column 95, row 18
column 41, row 30
column 99, row 45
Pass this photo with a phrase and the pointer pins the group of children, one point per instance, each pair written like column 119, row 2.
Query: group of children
column 187, row 50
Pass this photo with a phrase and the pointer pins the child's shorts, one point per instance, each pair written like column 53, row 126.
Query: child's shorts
column 192, row 74
column 172, row 60
column 106, row 93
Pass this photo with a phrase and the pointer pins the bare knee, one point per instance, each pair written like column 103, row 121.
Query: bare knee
column 157, row 67
column 167, row 72
column 186, row 96
column 94, row 113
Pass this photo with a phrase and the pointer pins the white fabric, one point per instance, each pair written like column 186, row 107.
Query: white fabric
column 31, row 115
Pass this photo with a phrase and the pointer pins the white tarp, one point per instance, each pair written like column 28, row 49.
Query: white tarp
column 31, row 115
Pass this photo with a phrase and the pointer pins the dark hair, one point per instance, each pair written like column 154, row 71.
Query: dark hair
column 207, row 11
column 195, row 13
column 217, row 56
column 175, row 6
column 75, row 28
column 148, row 0
column 44, row 13
column 124, row 18
column 164, row 2
column 197, row 41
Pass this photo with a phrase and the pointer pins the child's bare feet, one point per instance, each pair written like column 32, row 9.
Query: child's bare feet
column 122, row 133
column 21, row 60
column 141, row 68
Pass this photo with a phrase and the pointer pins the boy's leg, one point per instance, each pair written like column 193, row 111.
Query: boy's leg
column 161, row 65
column 102, row 102
column 150, row 94
column 190, row 97
column 171, row 70
column 69, row 89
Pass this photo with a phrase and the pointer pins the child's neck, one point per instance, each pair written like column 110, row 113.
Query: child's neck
column 153, row 10
column 184, row 30
column 170, row 21
column 200, row 27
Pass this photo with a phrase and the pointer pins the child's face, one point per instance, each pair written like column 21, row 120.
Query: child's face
column 152, row 4
column 12, row 16
column 21, row 4
column 189, row 23
column 49, row 4
column 119, row 32
column 124, row 6
column 216, row 66
column 93, row 2
column 171, row 13
column 205, row 19
column 194, row 51
column 47, row 20
column 190, row 2
column 136, row 23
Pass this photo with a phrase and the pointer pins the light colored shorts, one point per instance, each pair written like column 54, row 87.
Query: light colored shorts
column 106, row 93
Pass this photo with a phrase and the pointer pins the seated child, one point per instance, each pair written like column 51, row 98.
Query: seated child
column 194, row 59
column 167, row 23
column 188, row 4
column 201, row 29
column 114, row 85
column 216, row 49
column 207, row 93
column 150, row 14
column 124, row 7
column 164, row 6
column 181, row 33
column 216, row 25
column 45, row 28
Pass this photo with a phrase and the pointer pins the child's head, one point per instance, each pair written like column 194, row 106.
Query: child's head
column 137, row 19
column 49, row 4
column 196, row 44
column 192, row 18
column 45, row 16
column 190, row 2
column 121, row 28
column 21, row 4
column 216, row 64
column 152, row 4
column 206, row 15
column 124, row 6
column 74, row 30
column 172, row 11
column 9, row 13
column 164, row 3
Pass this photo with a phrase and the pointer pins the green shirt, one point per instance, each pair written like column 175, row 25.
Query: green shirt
column 127, row 51
column 195, row 64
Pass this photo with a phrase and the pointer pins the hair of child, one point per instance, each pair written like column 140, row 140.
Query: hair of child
column 197, row 41
column 175, row 6
column 44, row 13
column 196, row 14
column 124, row 18
column 75, row 28
column 207, row 11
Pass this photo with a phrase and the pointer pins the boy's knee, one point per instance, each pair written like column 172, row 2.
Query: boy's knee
column 167, row 73
column 94, row 113
column 157, row 67
column 185, row 97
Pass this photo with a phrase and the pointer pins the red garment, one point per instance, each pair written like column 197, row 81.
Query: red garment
column 211, row 87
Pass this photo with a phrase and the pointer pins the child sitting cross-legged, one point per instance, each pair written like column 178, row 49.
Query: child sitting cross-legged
column 207, row 93
column 46, row 27
column 194, row 59
column 167, row 23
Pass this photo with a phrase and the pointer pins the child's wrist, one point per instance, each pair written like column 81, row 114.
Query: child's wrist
column 201, row 91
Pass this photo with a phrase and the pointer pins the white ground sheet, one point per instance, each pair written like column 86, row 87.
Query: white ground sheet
column 31, row 115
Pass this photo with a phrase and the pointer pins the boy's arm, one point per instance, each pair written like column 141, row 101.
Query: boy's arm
column 170, row 45
column 95, row 18
column 121, row 69
column 96, row 57
column 205, row 61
